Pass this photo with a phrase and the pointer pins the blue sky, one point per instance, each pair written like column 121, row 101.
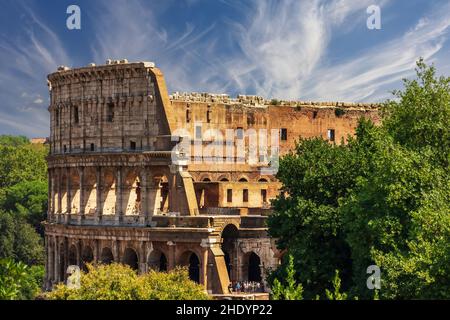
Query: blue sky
column 292, row 49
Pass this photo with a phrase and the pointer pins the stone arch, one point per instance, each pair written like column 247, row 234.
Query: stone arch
column 132, row 193
column 229, row 236
column 130, row 257
column 243, row 179
column 108, row 192
column 64, row 193
column 87, row 256
column 252, row 267
column 106, row 256
column 190, row 259
column 160, row 195
column 263, row 180
column 74, row 191
column 90, row 189
column 224, row 177
column 205, row 178
column 157, row 260
column 62, row 262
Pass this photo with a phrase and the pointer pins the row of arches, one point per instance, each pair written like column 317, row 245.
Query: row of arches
column 228, row 178
column 157, row 260
column 107, row 191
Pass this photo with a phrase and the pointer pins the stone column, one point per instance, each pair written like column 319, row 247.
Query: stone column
column 68, row 196
column 142, row 257
column 144, row 204
column 119, row 187
column 59, row 194
column 171, row 261
column 56, row 260
column 204, row 270
column 81, row 206
column 98, row 190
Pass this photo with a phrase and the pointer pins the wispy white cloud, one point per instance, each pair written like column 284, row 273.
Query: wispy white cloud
column 273, row 48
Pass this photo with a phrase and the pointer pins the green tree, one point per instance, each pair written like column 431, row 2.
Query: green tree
column 29, row 199
column 19, row 240
column 18, row 281
column 22, row 163
column 419, row 117
column 287, row 288
column 306, row 219
column 336, row 294
column 381, row 199
column 120, row 282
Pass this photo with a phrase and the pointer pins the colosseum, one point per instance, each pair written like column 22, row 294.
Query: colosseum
column 157, row 181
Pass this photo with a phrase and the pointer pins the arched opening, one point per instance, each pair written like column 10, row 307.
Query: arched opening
column 157, row 261
column 206, row 180
column 73, row 256
column 64, row 198
column 87, row 256
column 254, row 269
column 74, row 191
column 132, row 194
column 159, row 194
column 191, row 260
column 106, row 256
column 108, row 192
column 130, row 258
column 224, row 179
column 262, row 180
column 194, row 268
column 243, row 179
column 229, row 235
column 90, row 187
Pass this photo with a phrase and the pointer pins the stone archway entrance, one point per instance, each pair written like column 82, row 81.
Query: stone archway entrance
column 191, row 260
column 229, row 237
column 254, row 268
column 194, row 268
column 86, row 257
column 130, row 258
column 157, row 261
column 106, row 256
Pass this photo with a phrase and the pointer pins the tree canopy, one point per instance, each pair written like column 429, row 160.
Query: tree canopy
column 119, row 282
column 381, row 199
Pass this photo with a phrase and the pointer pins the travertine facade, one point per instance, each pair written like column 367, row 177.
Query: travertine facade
column 119, row 189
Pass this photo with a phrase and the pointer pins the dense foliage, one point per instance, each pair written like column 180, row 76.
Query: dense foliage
column 18, row 281
column 120, row 282
column 381, row 199
column 23, row 206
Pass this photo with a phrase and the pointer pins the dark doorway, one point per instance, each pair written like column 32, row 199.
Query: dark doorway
column 254, row 270
column 157, row 261
column 107, row 256
column 163, row 263
column 194, row 268
column 229, row 235
column 130, row 258
column 87, row 257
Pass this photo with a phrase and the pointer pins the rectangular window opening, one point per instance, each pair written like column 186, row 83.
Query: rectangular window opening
column 229, row 195
column 284, row 134
column 245, row 195
column 331, row 134
column 264, row 195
